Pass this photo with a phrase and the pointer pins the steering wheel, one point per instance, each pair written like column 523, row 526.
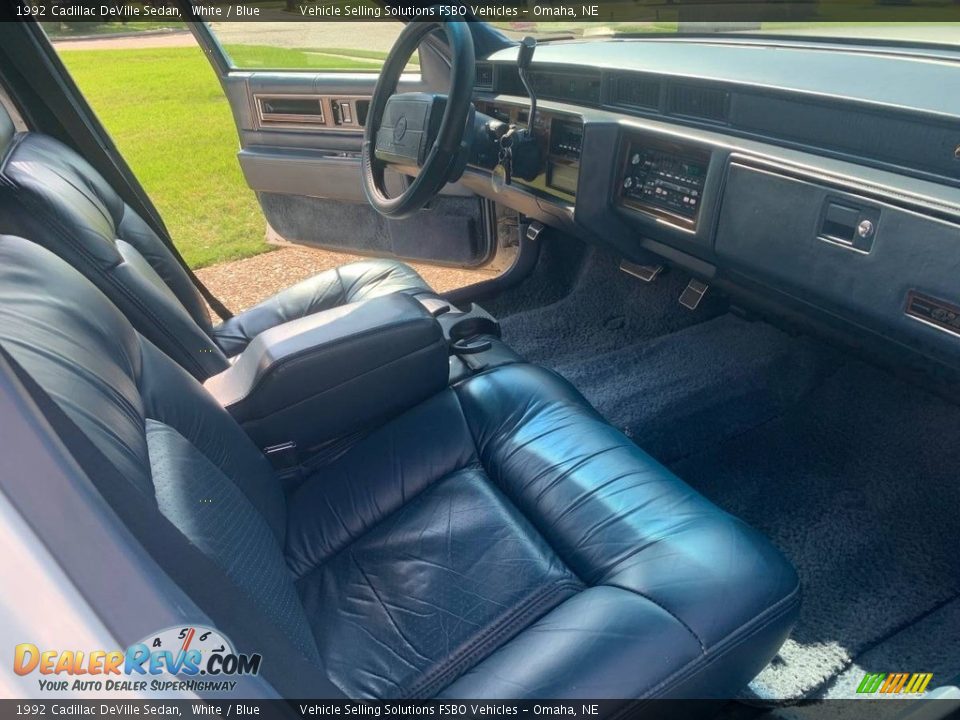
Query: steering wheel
column 419, row 130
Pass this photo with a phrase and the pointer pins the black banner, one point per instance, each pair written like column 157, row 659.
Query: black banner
column 458, row 709
column 514, row 11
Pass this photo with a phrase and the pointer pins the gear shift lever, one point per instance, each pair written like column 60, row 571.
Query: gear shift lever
column 511, row 150
column 525, row 56
column 525, row 155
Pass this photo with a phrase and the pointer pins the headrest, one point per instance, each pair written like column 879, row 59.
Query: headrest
column 7, row 131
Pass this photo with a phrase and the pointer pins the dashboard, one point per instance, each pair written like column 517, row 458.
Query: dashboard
column 820, row 179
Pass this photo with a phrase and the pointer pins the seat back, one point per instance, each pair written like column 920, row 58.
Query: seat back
column 50, row 194
column 155, row 424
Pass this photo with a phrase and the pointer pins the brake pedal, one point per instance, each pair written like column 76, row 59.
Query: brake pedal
column 534, row 229
column 693, row 293
column 646, row 273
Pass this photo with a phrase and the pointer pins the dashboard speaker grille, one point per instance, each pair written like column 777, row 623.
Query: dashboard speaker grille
column 695, row 101
column 636, row 92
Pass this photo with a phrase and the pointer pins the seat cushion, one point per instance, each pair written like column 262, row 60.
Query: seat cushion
column 502, row 540
column 345, row 284
column 441, row 582
column 499, row 540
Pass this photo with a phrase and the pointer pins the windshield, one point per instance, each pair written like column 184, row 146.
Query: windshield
column 909, row 32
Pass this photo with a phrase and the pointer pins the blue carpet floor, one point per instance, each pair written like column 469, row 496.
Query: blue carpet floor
column 854, row 474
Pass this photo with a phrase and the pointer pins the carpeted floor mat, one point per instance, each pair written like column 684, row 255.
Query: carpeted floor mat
column 681, row 393
column 852, row 473
column 605, row 309
column 931, row 645
column 554, row 275
column 857, row 484
column 673, row 380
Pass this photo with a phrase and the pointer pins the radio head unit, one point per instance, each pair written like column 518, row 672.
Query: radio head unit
column 664, row 179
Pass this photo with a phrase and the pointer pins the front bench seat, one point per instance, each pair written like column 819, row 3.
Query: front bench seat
column 50, row 194
column 500, row 540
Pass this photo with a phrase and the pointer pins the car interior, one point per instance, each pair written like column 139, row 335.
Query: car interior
column 698, row 442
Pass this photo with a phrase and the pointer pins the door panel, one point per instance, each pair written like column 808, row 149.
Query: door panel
column 300, row 138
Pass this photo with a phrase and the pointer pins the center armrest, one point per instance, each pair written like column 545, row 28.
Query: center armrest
column 336, row 372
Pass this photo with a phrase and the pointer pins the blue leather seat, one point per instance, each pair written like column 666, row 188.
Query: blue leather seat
column 499, row 540
column 51, row 195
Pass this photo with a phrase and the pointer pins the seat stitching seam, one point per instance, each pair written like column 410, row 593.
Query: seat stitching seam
column 15, row 142
column 513, row 503
column 665, row 609
column 319, row 565
column 494, row 632
column 730, row 641
column 125, row 235
column 343, row 288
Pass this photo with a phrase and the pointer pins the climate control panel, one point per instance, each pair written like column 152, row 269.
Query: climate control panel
column 664, row 181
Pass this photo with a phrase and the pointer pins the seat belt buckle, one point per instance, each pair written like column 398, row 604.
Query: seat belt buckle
column 284, row 458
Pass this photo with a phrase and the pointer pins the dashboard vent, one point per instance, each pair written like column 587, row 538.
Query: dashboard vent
column 635, row 92
column 694, row 101
column 484, row 79
column 566, row 87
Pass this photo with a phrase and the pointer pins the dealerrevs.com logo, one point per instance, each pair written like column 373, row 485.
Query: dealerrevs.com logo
column 195, row 658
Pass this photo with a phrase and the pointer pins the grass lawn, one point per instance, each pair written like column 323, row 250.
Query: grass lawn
column 66, row 30
column 275, row 58
column 261, row 56
column 167, row 113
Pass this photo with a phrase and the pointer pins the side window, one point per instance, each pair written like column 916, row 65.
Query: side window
column 317, row 46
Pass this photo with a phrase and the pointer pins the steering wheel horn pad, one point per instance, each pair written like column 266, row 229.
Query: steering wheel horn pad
column 418, row 129
column 410, row 121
